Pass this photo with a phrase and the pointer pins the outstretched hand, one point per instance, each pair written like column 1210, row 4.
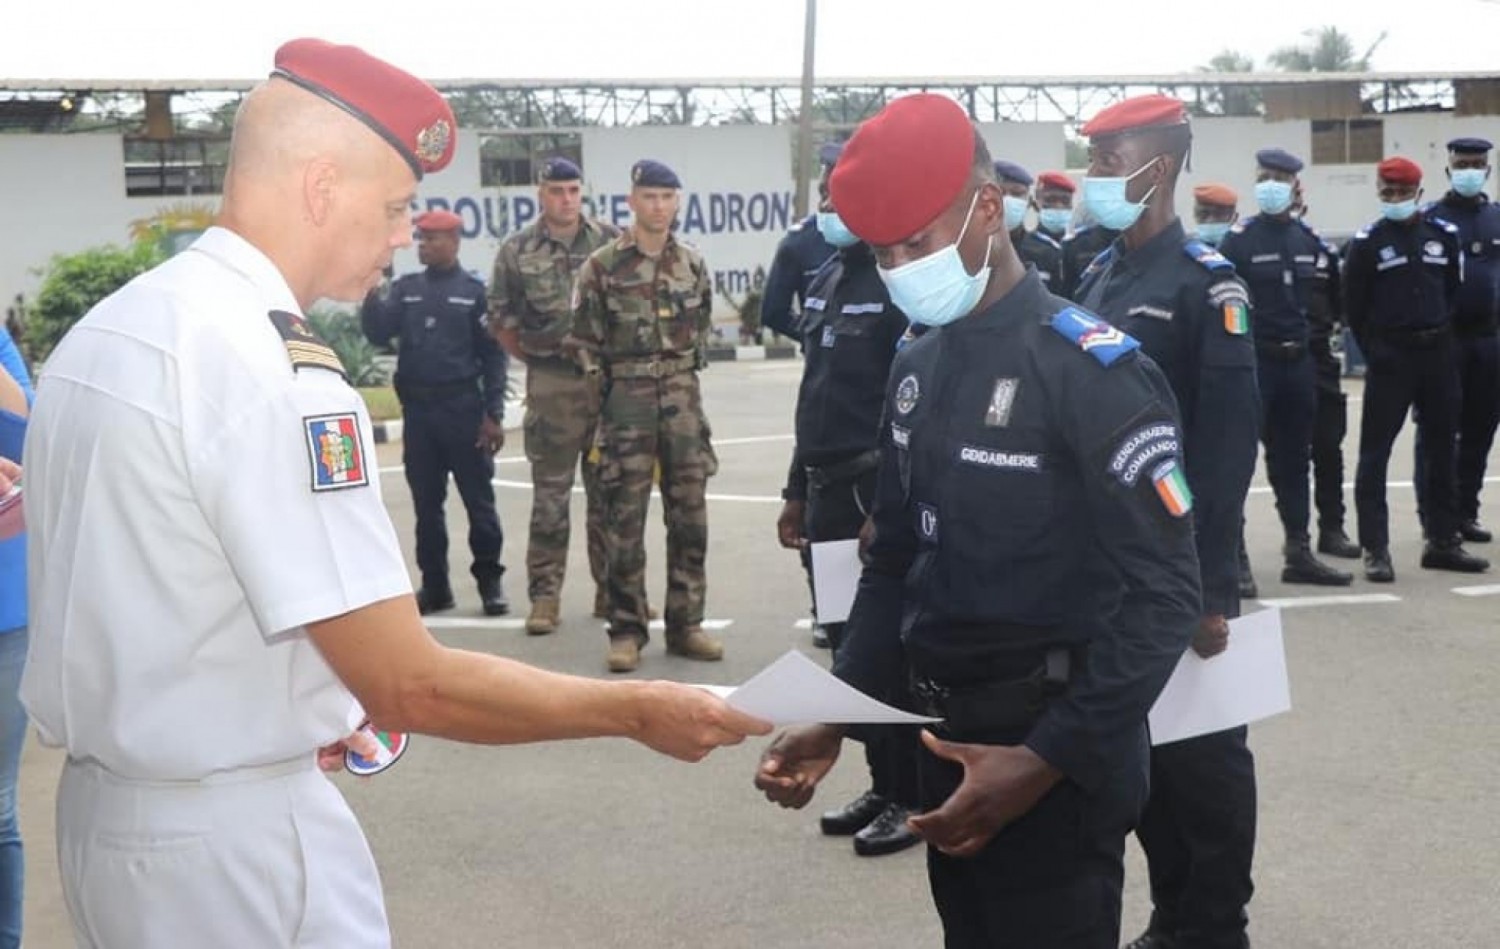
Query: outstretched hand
column 796, row 761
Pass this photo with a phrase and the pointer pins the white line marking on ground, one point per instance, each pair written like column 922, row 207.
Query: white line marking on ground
column 1333, row 599
column 473, row 622
column 1487, row 589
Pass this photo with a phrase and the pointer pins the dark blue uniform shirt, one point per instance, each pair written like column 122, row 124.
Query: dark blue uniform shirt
column 1278, row 260
column 1182, row 300
column 1402, row 277
column 438, row 316
column 1476, row 309
column 1030, row 497
column 799, row 255
column 1078, row 251
column 850, row 331
column 1042, row 252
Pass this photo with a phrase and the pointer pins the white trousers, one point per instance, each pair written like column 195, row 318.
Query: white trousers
column 265, row 858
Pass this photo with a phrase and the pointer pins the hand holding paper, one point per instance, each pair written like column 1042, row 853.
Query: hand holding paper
column 1245, row 683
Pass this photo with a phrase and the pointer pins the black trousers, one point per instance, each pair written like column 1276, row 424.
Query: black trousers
column 837, row 512
column 1288, row 398
column 1050, row 880
column 1398, row 379
column 1478, row 372
column 440, row 437
column 1198, row 831
column 1329, row 427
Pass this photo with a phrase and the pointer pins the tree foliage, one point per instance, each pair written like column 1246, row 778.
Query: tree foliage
column 75, row 282
column 1324, row 49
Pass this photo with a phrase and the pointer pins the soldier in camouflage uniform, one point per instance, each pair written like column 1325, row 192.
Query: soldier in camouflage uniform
column 533, row 280
column 641, row 318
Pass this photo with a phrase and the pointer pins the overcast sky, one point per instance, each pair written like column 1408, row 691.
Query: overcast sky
column 573, row 39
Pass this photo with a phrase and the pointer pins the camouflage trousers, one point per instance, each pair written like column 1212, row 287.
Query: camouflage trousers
column 561, row 415
column 645, row 423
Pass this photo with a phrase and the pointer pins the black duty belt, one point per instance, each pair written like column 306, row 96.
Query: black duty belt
column 822, row 476
column 411, row 392
column 1286, row 350
column 655, row 367
column 995, row 704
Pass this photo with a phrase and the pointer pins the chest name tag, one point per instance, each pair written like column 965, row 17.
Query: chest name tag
column 1002, row 460
column 462, row 301
column 336, row 449
column 829, row 337
column 900, row 436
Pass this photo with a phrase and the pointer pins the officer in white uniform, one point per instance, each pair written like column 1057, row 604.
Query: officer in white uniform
column 214, row 578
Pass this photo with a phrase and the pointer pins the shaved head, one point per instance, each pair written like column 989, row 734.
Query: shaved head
column 326, row 198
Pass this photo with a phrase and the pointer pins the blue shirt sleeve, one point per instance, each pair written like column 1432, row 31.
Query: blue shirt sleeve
column 15, row 364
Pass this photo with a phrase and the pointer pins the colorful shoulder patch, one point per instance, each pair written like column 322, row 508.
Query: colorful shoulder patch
column 1236, row 316
column 392, row 745
column 1205, row 254
column 1092, row 335
column 336, row 449
column 1172, row 487
column 303, row 346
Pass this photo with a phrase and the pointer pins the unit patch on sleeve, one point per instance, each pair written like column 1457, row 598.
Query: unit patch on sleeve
column 335, row 447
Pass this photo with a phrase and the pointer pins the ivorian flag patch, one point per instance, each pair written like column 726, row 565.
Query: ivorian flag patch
column 1172, row 488
column 1236, row 318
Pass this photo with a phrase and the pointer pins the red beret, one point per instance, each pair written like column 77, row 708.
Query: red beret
column 402, row 109
column 1216, row 195
column 1134, row 114
column 438, row 219
column 903, row 167
column 1056, row 179
column 1399, row 171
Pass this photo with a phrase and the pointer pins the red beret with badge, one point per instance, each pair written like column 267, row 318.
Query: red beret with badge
column 903, row 168
column 1216, row 196
column 1399, row 171
column 402, row 109
column 438, row 219
column 1056, row 179
column 1137, row 114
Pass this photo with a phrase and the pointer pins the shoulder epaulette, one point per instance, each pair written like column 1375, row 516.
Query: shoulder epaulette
column 1238, row 227
column 1443, row 223
column 303, row 346
column 1092, row 335
column 1100, row 259
column 1046, row 239
column 1079, row 232
column 1361, row 234
column 1204, row 253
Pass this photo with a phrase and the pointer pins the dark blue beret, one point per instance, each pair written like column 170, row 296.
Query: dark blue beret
column 653, row 174
column 829, row 153
column 560, row 169
column 1010, row 171
column 1475, row 146
column 1278, row 159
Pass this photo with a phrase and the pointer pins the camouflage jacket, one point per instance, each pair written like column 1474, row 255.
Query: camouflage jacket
column 533, row 279
column 628, row 306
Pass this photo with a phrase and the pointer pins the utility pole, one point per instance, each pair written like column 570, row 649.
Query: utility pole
column 804, row 120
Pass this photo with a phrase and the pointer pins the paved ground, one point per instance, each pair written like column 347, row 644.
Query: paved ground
column 1375, row 790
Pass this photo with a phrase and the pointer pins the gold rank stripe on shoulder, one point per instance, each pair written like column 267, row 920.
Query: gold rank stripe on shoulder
column 304, row 346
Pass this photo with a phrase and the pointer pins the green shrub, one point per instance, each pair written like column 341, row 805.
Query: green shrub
column 341, row 330
column 74, row 283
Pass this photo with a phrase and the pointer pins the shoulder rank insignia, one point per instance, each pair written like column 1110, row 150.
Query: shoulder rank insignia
column 1100, row 260
column 1205, row 254
column 1446, row 225
column 1092, row 335
column 1046, row 239
column 303, row 346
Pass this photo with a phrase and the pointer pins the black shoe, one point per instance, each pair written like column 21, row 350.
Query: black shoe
column 1336, row 543
column 887, row 833
column 434, row 599
column 1452, row 556
column 1378, row 567
column 1475, row 532
column 820, row 637
column 1302, row 567
column 852, row 817
column 493, row 598
column 1151, row 940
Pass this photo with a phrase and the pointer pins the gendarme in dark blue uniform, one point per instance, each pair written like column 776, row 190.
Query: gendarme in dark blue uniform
column 450, row 374
column 851, row 329
column 1042, row 252
column 1277, row 257
column 1182, row 300
column 1078, row 251
column 798, row 258
column 1325, row 317
column 1033, row 564
column 1476, row 309
column 1400, row 281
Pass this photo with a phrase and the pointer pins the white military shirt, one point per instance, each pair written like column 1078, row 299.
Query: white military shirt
column 193, row 501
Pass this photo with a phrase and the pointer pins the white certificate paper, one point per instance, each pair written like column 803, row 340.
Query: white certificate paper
column 1245, row 683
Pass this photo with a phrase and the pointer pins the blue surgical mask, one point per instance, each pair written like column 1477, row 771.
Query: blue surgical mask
column 1469, row 181
column 1212, row 232
column 1105, row 199
column 1055, row 220
column 834, row 230
column 1274, row 197
column 937, row 289
column 1398, row 210
column 1015, row 211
